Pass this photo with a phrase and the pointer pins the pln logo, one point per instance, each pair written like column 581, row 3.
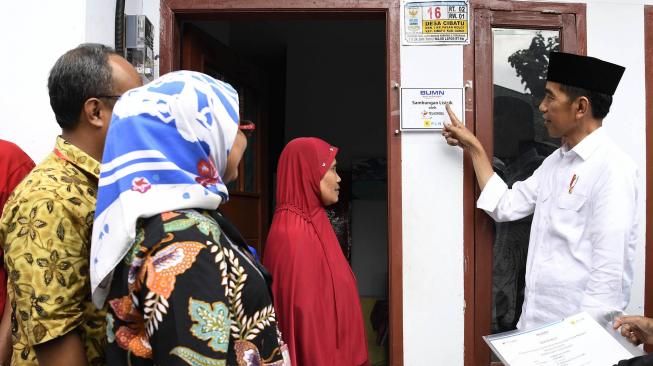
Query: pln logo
column 431, row 93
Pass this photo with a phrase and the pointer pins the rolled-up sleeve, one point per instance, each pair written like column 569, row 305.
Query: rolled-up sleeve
column 508, row 204
column 492, row 193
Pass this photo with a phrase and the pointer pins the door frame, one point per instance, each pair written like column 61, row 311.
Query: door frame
column 648, row 65
column 173, row 11
column 478, row 229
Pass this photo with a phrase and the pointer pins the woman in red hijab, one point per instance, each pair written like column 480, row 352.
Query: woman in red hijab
column 315, row 294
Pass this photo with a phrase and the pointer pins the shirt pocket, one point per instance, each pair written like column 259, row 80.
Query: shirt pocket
column 568, row 217
column 573, row 202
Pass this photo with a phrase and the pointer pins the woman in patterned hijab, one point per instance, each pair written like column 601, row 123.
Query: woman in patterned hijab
column 181, row 286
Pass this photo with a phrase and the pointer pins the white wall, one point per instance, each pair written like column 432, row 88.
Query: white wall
column 36, row 34
column 32, row 42
column 432, row 195
column 100, row 22
column 626, row 122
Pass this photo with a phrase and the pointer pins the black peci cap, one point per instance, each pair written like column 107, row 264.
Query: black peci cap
column 584, row 72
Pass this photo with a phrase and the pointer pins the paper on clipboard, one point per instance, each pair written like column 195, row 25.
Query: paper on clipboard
column 574, row 341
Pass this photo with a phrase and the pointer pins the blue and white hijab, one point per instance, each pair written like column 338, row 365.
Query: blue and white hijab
column 166, row 149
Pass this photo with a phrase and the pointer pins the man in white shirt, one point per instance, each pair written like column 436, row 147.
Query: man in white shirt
column 583, row 196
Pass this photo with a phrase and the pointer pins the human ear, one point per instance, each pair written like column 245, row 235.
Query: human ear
column 583, row 106
column 92, row 112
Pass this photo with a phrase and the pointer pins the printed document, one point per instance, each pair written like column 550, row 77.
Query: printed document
column 574, row 341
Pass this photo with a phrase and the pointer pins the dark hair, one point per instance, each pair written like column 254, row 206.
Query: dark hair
column 599, row 102
column 81, row 73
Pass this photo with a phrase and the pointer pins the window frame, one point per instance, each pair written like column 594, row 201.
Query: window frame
column 570, row 18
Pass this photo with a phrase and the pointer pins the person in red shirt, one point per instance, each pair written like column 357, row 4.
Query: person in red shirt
column 14, row 166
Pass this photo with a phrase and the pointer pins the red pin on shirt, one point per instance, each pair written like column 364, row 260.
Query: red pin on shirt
column 572, row 183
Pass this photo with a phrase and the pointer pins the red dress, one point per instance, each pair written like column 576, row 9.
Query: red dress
column 315, row 293
column 14, row 166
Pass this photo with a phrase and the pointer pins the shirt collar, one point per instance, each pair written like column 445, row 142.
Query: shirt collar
column 588, row 145
column 77, row 157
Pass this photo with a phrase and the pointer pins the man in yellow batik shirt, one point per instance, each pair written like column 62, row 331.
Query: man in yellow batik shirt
column 47, row 221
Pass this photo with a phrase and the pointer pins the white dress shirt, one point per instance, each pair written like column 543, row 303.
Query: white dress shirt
column 584, row 230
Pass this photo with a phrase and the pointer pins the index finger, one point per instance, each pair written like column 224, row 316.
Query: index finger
column 617, row 323
column 454, row 119
column 635, row 319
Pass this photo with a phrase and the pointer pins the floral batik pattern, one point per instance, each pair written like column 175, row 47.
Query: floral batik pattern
column 212, row 323
column 186, row 294
column 46, row 232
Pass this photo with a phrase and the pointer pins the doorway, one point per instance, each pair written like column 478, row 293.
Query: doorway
column 322, row 73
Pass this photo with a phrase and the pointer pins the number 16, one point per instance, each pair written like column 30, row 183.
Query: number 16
column 436, row 13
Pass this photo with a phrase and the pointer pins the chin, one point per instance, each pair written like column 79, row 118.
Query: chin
column 328, row 203
column 552, row 134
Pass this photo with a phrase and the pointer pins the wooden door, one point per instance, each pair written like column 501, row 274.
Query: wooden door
column 507, row 36
column 248, row 204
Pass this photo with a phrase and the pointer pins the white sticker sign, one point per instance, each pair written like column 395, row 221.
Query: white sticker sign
column 424, row 108
column 435, row 22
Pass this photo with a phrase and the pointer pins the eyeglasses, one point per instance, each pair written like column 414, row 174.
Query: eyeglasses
column 248, row 127
column 109, row 96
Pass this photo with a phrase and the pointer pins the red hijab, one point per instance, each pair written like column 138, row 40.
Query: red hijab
column 315, row 294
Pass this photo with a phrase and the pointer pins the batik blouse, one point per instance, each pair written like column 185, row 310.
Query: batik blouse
column 189, row 293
